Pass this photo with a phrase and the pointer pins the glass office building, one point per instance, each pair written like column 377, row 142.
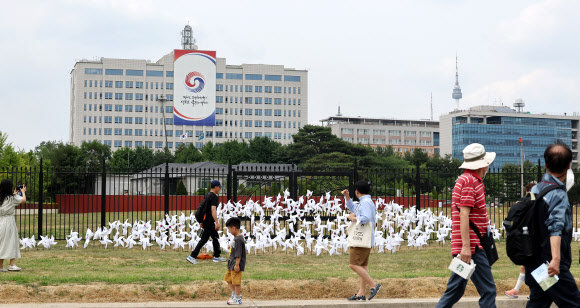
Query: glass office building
column 499, row 130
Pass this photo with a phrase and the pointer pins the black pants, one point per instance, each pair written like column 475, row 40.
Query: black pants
column 207, row 233
column 564, row 293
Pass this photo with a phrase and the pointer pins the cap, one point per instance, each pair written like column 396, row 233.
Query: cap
column 215, row 183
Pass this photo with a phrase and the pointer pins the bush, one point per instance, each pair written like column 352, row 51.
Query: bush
column 181, row 190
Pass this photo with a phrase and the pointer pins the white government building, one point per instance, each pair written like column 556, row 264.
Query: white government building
column 116, row 102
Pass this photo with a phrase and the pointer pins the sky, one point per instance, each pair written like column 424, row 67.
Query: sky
column 373, row 58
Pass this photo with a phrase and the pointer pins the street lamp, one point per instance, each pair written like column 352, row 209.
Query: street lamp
column 522, row 166
column 162, row 100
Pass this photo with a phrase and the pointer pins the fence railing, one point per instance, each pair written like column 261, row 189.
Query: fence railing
column 59, row 200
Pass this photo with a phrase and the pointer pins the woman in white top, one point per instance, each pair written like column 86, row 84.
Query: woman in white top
column 9, row 242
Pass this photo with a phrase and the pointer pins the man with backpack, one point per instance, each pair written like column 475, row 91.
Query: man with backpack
column 210, row 224
column 468, row 205
column 554, row 232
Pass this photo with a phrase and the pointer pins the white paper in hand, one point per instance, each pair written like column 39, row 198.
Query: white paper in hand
column 540, row 274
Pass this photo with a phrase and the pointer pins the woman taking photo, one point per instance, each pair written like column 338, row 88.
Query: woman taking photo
column 9, row 243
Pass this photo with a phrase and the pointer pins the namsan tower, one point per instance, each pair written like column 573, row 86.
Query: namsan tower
column 456, row 89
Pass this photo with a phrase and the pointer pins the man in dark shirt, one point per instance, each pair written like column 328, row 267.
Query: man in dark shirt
column 237, row 261
column 210, row 226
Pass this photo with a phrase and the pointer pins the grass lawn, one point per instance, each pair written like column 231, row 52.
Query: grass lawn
column 96, row 275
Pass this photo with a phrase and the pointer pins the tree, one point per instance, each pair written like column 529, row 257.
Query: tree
column 162, row 156
column 208, row 152
column 314, row 140
column 122, row 159
column 187, row 154
column 92, row 154
column 181, row 190
column 237, row 151
column 263, row 150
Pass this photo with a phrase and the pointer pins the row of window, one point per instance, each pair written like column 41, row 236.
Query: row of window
column 128, row 108
column 235, row 76
column 388, row 141
column 159, row 144
column 382, row 132
column 259, row 100
column 258, row 89
column 128, row 84
column 128, row 96
column 119, row 72
column 258, row 112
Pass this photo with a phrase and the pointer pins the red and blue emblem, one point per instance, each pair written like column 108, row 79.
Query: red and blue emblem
column 194, row 82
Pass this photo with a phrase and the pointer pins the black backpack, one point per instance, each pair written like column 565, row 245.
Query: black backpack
column 202, row 208
column 524, row 249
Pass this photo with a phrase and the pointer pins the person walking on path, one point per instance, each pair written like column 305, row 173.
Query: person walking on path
column 9, row 241
column 359, row 256
column 210, row 226
column 515, row 292
column 237, row 261
column 555, row 233
column 468, row 204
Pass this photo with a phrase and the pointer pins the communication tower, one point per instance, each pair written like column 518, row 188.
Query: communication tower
column 456, row 89
column 187, row 40
column 519, row 105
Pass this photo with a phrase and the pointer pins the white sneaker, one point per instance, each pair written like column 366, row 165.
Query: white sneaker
column 3, row 270
column 192, row 260
column 219, row 259
column 14, row 268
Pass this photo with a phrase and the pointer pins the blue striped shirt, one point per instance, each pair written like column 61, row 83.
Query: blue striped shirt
column 367, row 212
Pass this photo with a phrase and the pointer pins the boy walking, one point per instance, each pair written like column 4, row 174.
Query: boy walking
column 237, row 261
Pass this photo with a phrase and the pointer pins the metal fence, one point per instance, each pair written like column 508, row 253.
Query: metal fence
column 59, row 200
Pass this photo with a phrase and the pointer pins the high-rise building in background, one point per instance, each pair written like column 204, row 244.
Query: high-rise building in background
column 500, row 128
column 119, row 102
column 401, row 135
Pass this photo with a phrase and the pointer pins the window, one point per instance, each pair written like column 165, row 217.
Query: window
column 298, row 90
column 219, row 111
column 168, row 109
column 169, row 121
column 128, row 84
column 139, row 96
column 219, row 75
column 169, row 97
column 277, row 89
column 169, row 86
column 138, row 132
column 258, row 89
column 113, row 71
column 118, row 96
column 277, row 101
column 118, row 120
column 128, row 120
column 248, row 123
column 108, row 83
column 169, row 74
column 425, row 134
column 292, row 78
column 268, row 112
column 219, row 122
column 233, row 76
column 248, row 135
column 248, row 100
column 237, row 88
column 134, row 73
column 219, row 87
column 253, row 76
column 139, row 85
column 258, row 112
column 257, row 100
column 269, row 135
column 108, row 107
column 169, row 133
column 94, row 71
column 268, row 89
column 410, row 142
column 154, row 74
column 394, row 133
column 118, row 107
column 268, row 101
column 294, row 90
column 128, row 96
column 219, row 99
column 277, row 124
column 248, row 88
column 273, row 77
column 108, row 95
column 258, row 123
column 277, row 135
column 277, row 112
column 108, row 119
column 363, row 131
column 108, row 131
column 410, row 133
column 158, row 144
column 267, row 123
column 107, row 142
column 118, row 84
column 128, row 132
column 248, row 112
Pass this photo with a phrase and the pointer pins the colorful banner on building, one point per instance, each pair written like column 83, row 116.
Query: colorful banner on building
column 194, row 74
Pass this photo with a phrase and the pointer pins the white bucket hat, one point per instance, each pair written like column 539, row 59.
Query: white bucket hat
column 475, row 157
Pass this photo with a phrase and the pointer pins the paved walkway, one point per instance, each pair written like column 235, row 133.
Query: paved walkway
column 502, row 302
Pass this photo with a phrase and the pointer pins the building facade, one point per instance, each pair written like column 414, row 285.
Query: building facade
column 401, row 135
column 499, row 130
column 116, row 101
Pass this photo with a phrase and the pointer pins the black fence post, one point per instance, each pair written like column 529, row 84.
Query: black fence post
column 418, row 186
column 40, row 199
column 354, row 180
column 166, row 207
column 229, row 180
column 294, row 186
column 539, row 171
column 103, row 195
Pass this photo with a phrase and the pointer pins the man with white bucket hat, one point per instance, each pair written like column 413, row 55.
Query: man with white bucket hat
column 468, row 203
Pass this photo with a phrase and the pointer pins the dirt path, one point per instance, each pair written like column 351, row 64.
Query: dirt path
column 254, row 289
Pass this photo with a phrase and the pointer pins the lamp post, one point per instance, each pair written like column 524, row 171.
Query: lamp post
column 522, row 167
column 162, row 100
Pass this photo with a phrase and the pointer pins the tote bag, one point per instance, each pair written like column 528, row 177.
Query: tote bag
column 359, row 235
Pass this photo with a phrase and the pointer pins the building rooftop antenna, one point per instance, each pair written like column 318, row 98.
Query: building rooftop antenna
column 519, row 105
column 339, row 114
column 456, row 89
column 187, row 40
column 431, row 106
